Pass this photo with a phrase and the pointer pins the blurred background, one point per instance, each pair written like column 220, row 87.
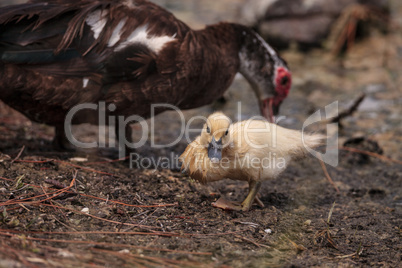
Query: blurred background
column 336, row 50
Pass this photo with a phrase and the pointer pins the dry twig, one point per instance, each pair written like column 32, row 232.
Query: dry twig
column 18, row 155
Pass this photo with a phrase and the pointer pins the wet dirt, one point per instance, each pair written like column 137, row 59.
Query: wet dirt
column 113, row 215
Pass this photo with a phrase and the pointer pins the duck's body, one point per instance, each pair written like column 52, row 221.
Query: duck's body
column 57, row 54
column 252, row 151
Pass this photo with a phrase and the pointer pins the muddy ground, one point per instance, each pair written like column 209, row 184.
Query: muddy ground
column 78, row 209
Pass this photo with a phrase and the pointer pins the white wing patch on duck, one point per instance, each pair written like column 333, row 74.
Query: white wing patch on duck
column 96, row 20
column 270, row 50
column 116, row 33
column 85, row 82
column 140, row 35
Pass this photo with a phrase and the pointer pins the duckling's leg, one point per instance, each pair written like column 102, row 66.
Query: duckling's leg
column 254, row 187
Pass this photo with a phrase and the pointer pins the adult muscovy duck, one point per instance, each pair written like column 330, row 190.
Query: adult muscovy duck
column 56, row 54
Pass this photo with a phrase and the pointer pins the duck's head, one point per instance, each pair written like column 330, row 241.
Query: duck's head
column 265, row 70
column 215, row 135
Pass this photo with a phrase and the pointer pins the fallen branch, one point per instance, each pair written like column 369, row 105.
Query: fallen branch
column 384, row 158
column 350, row 111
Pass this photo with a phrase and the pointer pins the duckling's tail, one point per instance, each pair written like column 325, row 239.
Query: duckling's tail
column 306, row 142
column 312, row 140
column 295, row 143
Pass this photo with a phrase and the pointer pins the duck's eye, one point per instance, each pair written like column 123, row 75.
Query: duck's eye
column 208, row 130
column 227, row 132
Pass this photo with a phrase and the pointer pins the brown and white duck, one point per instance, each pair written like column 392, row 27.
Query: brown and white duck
column 56, row 54
column 250, row 150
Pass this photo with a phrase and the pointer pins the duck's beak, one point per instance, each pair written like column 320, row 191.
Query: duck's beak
column 269, row 108
column 215, row 150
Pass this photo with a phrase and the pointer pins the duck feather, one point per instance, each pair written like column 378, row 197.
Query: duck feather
column 56, row 54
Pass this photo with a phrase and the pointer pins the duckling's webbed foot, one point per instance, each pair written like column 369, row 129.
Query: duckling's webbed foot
column 227, row 205
column 259, row 202
column 254, row 187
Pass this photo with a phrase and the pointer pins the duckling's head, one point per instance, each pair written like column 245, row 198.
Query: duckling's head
column 215, row 135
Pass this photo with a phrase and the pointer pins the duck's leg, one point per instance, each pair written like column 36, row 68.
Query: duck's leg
column 60, row 141
column 123, row 137
column 253, row 188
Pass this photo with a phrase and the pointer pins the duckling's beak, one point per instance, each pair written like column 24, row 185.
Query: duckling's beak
column 215, row 150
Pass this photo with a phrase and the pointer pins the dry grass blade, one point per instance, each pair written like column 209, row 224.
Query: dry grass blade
column 252, row 242
column 81, row 194
column 108, row 161
column 101, row 219
column 130, row 205
column 357, row 253
column 294, row 244
column 9, row 250
column 324, row 238
column 324, row 168
column 149, row 261
column 54, row 194
column 18, row 155
column 168, row 234
column 330, row 213
column 105, row 244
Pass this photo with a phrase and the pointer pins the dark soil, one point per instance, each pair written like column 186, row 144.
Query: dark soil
column 163, row 218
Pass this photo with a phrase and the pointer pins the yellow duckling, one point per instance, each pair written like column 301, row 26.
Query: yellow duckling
column 250, row 150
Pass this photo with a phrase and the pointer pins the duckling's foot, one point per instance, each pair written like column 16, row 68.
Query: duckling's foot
column 254, row 187
column 231, row 205
column 227, row 205
column 259, row 202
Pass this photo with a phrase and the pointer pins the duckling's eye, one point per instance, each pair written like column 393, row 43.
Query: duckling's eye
column 208, row 130
column 227, row 132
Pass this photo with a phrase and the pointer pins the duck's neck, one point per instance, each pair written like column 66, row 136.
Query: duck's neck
column 214, row 53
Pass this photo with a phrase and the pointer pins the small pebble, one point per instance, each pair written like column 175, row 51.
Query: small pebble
column 85, row 210
column 268, row 231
